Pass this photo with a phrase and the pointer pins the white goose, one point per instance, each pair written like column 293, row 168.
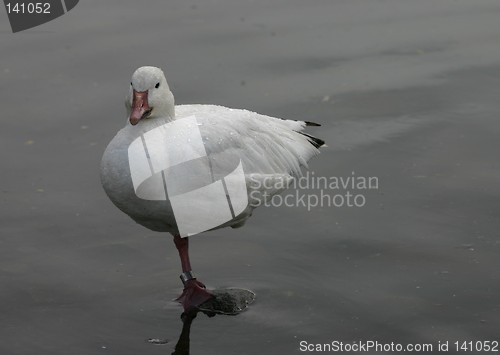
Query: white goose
column 189, row 168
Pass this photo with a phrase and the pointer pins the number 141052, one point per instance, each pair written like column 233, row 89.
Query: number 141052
column 477, row 346
column 29, row 8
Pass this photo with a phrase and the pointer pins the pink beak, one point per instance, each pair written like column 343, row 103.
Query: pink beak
column 140, row 107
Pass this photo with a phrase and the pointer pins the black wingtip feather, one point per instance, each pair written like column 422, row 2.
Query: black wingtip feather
column 308, row 123
column 316, row 142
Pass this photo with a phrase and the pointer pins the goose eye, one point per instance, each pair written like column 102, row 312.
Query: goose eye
column 157, row 85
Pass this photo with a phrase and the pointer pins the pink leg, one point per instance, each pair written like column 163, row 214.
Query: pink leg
column 194, row 293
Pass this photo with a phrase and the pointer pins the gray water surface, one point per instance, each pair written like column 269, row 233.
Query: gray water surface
column 406, row 91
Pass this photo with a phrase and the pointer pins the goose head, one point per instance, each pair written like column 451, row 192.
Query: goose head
column 149, row 96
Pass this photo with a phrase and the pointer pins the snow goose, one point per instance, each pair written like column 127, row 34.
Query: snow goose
column 190, row 168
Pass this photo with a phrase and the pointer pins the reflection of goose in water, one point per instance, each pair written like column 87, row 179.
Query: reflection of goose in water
column 191, row 168
column 226, row 301
column 182, row 345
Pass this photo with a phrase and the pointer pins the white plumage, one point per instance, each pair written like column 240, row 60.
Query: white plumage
column 271, row 150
